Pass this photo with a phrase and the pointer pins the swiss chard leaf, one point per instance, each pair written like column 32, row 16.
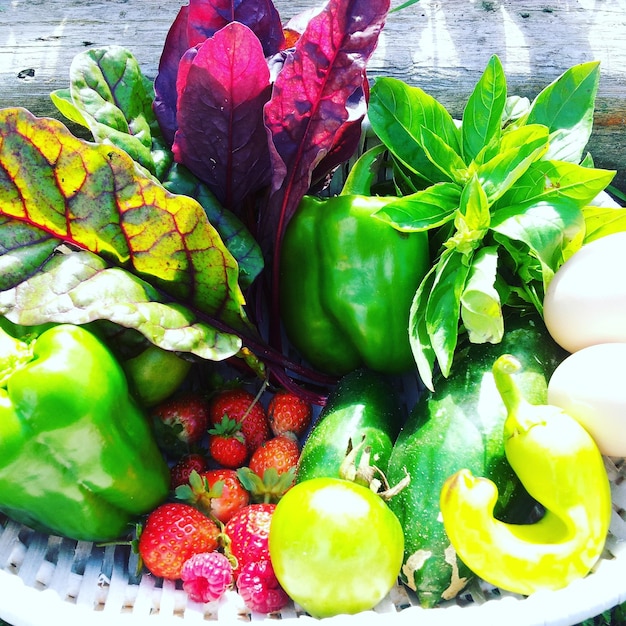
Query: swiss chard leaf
column 84, row 103
column 109, row 93
column 80, row 287
column 23, row 249
column 484, row 111
column 308, row 104
column 240, row 243
column 95, row 197
column 221, row 135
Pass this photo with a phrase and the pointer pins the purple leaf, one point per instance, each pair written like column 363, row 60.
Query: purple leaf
column 308, row 109
column 260, row 15
column 199, row 21
column 176, row 44
column 221, row 137
column 348, row 136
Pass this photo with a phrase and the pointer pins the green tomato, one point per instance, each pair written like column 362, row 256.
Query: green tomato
column 335, row 546
column 155, row 374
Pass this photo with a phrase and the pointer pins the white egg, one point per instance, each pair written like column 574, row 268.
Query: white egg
column 585, row 302
column 590, row 385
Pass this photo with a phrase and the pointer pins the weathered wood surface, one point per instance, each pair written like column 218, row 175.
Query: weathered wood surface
column 441, row 46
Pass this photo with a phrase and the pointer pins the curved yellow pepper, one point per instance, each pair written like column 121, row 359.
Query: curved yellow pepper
column 560, row 465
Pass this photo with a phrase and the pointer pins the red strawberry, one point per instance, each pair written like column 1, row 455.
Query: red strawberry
column 242, row 406
column 288, row 413
column 272, row 469
column 229, row 494
column 259, row 588
column 281, row 453
column 227, row 445
column 180, row 473
column 248, row 531
column 172, row 534
column 216, row 492
column 181, row 421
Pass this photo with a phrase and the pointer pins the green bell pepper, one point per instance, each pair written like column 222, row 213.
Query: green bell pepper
column 347, row 280
column 77, row 456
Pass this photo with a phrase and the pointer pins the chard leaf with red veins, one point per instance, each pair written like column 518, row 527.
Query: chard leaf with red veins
column 23, row 249
column 221, row 135
column 308, row 108
column 79, row 288
column 95, row 197
column 195, row 23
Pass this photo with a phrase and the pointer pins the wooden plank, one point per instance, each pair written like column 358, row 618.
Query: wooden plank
column 441, row 46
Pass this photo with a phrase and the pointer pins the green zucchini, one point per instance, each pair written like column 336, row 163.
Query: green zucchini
column 460, row 425
column 364, row 406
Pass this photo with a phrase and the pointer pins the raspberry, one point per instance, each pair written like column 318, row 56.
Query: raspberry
column 206, row 576
column 259, row 588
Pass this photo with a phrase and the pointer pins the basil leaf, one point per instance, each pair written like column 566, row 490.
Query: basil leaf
column 423, row 210
column 471, row 220
column 551, row 229
column 601, row 221
column 481, row 309
column 443, row 306
column 419, row 338
column 398, row 114
column 518, row 149
column 482, row 116
column 566, row 107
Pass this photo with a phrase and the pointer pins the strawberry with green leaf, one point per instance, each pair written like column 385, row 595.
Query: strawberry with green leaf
column 217, row 492
column 227, row 445
column 242, row 406
column 272, row 469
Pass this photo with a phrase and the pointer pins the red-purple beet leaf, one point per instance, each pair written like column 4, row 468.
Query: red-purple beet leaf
column 200, row 20
column 347, row 139
column 221, row 136
column 308, row 109
column 206, row 17
column 176, row 44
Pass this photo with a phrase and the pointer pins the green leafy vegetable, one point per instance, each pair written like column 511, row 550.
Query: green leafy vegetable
column 56, row 188
column 504, row 193
column 110, row 96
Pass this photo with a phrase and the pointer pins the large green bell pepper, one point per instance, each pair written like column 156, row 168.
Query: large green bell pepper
column 77, row 456
column 347, row 281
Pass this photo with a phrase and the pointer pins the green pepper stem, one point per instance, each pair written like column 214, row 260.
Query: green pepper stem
column 503, row 369
column 13, row 354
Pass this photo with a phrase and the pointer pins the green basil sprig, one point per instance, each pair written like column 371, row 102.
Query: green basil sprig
column 503, row 192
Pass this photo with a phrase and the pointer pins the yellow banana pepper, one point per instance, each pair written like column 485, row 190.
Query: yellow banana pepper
column 560, row 465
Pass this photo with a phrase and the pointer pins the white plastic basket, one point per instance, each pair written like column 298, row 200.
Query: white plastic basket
column 44, row 578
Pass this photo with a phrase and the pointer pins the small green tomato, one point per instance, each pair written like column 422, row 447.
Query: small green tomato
column 335, row 546
column 155, row 374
